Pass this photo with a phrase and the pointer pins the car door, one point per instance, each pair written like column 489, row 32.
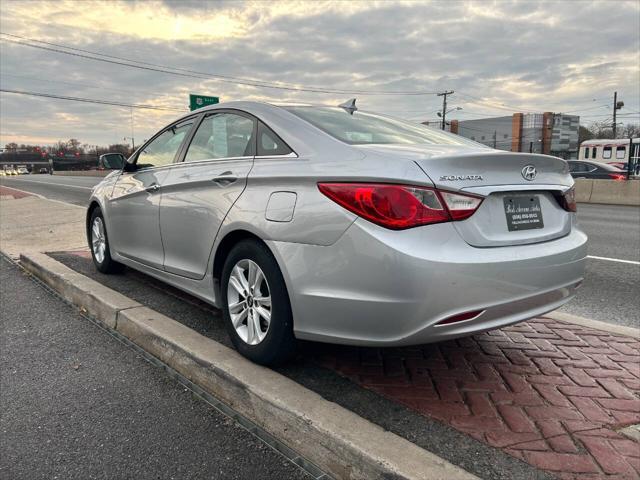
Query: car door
column 133, row 208
column 199, row 190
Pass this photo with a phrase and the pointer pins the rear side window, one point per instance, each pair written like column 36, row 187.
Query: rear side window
column 621, row 152
column 576, row 167
column 222, row 135
column 269, row 143
column 606, row 153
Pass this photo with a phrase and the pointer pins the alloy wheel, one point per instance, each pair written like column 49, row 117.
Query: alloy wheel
column 249, row 302
column 98, row 239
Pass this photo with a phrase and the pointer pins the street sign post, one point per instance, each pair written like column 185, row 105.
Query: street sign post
column 199, row 101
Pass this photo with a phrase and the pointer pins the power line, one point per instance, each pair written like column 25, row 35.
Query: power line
column 91, row 100
column 102, row 57
column 503, row 106
column 511, row 108
column 76, row 84
column 585, row 109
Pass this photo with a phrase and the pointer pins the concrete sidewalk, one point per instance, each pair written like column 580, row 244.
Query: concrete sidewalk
column 78, row 404
column 29, row 223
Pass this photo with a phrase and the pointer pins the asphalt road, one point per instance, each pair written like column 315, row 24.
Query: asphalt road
column 74, row 190
column 611, row 289
column 78, row 404
column 610, row 292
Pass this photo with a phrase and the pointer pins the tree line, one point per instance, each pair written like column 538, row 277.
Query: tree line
column 597, row 131
column 71, row 146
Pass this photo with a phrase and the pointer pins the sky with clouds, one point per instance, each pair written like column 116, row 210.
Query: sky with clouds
column 498, row 56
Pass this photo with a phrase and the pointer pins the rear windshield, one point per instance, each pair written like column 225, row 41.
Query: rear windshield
column 364, row 128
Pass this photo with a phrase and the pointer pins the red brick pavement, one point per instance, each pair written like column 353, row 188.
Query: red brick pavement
column 12, row 192
column 550, row 393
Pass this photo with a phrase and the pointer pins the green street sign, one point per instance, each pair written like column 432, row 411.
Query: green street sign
column 199, row 101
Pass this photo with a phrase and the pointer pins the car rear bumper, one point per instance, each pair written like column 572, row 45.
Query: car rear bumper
column 380, row 287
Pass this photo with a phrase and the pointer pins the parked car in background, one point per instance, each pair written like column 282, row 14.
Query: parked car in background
column 23, row 171
column 43, row 170
column 595, row 170
column 330, row 224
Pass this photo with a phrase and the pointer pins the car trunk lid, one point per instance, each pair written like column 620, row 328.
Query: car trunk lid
column 521, row 191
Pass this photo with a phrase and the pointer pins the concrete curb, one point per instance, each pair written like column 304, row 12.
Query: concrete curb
column 337, row 440
column 598, row 325
column 82, row 173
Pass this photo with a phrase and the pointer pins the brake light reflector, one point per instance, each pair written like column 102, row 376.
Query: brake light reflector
column 400, row 206
column 569, row 200
column 617, row 176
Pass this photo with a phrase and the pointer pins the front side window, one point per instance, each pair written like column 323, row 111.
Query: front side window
column 586, row 152
column 222, row 135
column 363, row 128
column 606, row 153
column 621, row 153
column 162, row 149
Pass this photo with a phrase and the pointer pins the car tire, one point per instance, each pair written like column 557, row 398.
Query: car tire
column 265, row 343
column 99, row 244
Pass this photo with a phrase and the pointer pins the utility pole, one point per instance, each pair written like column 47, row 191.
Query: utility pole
column 616, row 106
column 615, row 101
column 495, row 137
column 444, row 105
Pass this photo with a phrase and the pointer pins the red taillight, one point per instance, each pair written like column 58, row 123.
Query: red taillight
column 617, row 176
column 400, row 206
column 569, row 200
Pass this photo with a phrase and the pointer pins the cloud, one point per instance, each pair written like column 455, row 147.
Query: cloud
column 498, row 56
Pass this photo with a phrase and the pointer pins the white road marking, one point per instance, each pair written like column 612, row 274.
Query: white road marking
column 42, row 196
column 50, row 183
column 619, row 260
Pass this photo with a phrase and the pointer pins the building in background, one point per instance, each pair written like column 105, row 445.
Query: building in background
column 549, row 133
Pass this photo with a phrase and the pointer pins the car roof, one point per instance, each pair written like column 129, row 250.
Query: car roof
column 301, row 136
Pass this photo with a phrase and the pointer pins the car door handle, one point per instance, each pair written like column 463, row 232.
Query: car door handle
column 153, row 188
column 224, row 179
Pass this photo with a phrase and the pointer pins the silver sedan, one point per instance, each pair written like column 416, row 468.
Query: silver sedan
column 336, row 225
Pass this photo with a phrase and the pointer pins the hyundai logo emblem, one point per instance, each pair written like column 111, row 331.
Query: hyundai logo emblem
column 529, row 172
